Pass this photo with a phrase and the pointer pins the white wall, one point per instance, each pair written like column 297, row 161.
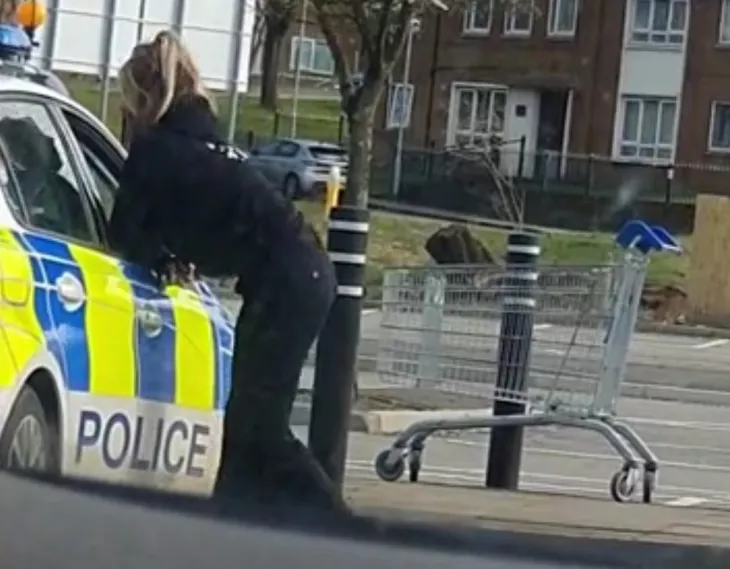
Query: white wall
column 647, row 70
column 516, row 127
column 206, row 28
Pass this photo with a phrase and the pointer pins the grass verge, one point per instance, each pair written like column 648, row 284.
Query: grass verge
column 395, row 240
column 398, row 240
column 317, row 119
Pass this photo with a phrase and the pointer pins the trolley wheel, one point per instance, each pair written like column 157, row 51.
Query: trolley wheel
column 390, row 472
column 649, row 484
column 622, row 486
column 414, row 469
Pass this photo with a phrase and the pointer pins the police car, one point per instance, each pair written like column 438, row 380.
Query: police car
column 103, row 375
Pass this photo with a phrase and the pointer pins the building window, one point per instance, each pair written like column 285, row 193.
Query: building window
column 725, row 23
column 478, row 17
column 647, row 131
column 659, row 22
column 477, row 115
column 518, row 19
column 562, row 17
column 315, row 56
column 720, row 127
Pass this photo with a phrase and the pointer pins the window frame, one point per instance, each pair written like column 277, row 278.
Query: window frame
column 69, row 147
column 310, row 68
column 724, row 15
column 108, row 154
column 510, row 17
column 552, row 31
column 633, row 29
column 467, row 25
column 656, row 145
column 453, row 132
column 711, row 147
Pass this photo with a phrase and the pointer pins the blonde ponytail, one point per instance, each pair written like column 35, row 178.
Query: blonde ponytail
column 156, row 76
column 168, row 49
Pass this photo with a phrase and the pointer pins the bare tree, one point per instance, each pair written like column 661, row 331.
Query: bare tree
column 277, row 16
column 382, row 27
column 257, row 34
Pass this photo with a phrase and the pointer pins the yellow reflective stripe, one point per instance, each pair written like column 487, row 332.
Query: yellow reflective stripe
column 8, row 367
column 194, row 356
column 110, row 324
column 22, row 330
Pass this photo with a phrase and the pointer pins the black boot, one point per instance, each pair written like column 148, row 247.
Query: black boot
column 240, row 475
column 299, row 481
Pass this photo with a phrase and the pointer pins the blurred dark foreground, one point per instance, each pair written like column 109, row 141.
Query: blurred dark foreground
column 59, row 524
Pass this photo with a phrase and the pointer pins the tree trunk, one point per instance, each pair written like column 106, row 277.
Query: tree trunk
column 360, row 129
column 270, row 60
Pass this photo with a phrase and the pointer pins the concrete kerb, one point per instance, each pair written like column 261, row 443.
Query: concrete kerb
column 683, row 330
column 87, row 504
column 636, row 553
column 390, row 422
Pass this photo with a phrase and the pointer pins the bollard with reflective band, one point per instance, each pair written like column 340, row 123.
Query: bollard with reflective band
column 515, row 342
column 334, row 187
column 335, row 373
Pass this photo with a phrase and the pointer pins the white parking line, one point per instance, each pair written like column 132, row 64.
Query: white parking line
column 542, row 326
column 537, row 482
column 687, row 502
column 711, row 344
column 596, row 456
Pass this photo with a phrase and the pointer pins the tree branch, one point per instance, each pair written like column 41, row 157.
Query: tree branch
column 360, row 18
column 327, row 26
column 401, row 30
column 384, row 28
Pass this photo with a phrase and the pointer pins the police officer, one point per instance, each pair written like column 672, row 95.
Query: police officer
column 185, row 191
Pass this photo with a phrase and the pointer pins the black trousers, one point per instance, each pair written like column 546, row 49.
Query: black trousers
column 277, row 326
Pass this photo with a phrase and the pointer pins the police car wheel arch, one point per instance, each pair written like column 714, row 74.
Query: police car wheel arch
column 28, row 441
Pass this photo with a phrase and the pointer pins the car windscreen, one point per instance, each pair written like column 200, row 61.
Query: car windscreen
column 328, row 153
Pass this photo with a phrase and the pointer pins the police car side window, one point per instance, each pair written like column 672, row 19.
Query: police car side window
column 46, row 180
column 102, row 162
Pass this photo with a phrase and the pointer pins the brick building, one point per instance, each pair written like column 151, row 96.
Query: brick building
column 317, row 66
column 631, row 80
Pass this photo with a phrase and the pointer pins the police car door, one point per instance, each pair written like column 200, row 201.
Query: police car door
column 80, row 300
column 183, row 346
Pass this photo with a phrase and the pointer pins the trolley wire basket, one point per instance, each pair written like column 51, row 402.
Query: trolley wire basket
column 443, row 327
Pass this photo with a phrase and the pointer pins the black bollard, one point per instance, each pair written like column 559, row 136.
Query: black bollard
column 515, row 342
column 336, row 372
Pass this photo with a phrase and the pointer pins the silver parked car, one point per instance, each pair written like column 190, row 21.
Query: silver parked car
column 299, row 167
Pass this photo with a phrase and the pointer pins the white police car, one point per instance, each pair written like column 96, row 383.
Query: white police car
column 102, row 374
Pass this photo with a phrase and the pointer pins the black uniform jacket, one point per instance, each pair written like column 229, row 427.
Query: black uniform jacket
column 186, row 192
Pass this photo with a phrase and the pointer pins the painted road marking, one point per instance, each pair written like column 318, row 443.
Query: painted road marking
column 536, row 482
column 711, row 344
column 687, row 502
column 542, row 326
column 597, row 456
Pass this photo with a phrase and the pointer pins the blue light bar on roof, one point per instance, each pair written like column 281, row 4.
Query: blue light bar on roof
column 14, row 43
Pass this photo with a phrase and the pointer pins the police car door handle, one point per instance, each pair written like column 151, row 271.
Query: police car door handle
column 150, row 320
column 71, row 291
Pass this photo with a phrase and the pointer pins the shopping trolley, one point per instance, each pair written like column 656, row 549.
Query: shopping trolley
column 440, row 329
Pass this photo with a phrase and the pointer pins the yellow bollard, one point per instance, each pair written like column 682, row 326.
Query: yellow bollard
column 334, row 187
